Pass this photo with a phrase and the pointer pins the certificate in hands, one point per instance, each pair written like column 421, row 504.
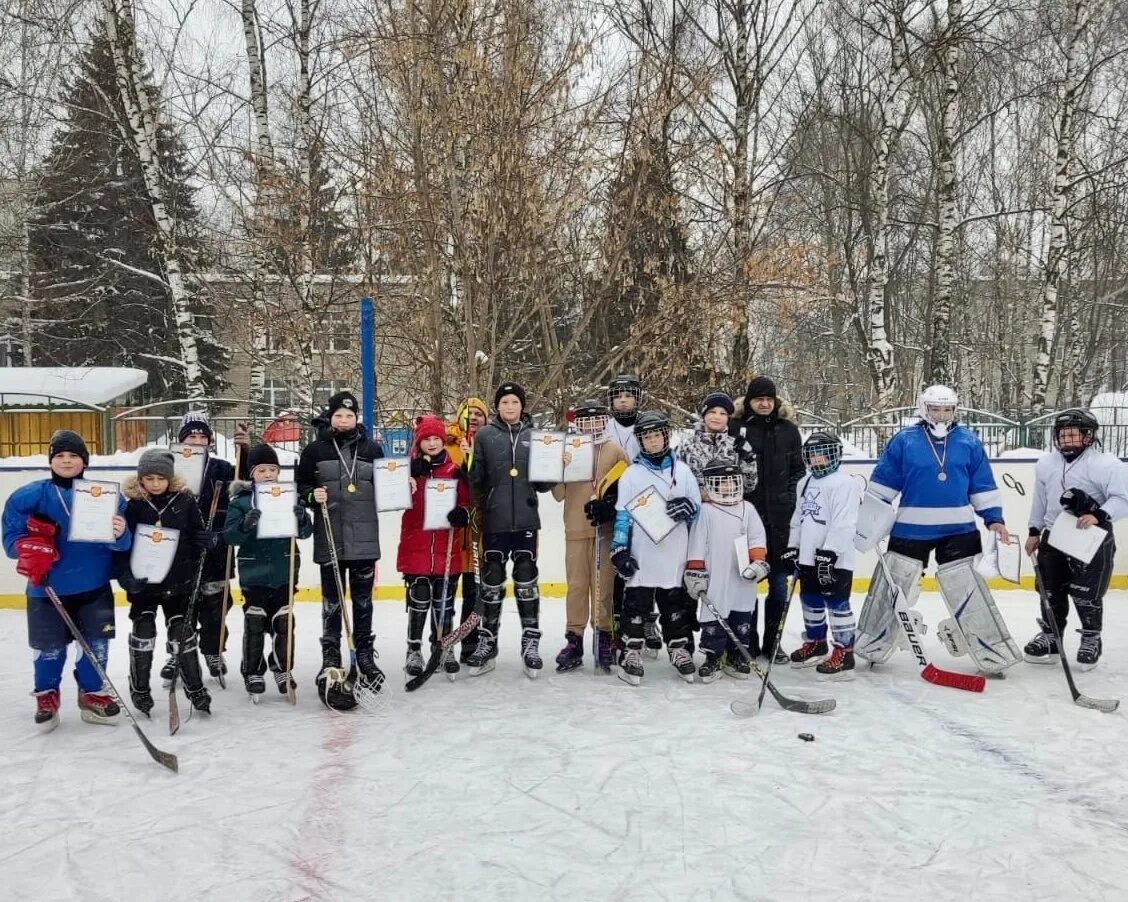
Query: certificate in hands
column 1077, row 543
column 648, row 510
column 581, row 468
column 440, row 497
column 92, row 511
column 546, row 456
column 393, row 483
column 275, row 502
column 189, row 463
column 154, row 548
column 1010, row 559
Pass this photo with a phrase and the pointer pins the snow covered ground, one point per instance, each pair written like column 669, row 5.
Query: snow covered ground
column 577, row 787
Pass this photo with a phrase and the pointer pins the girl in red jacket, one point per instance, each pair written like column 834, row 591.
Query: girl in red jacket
column 422, row 557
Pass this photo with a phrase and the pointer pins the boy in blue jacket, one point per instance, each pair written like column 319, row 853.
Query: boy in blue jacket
column 36, row 525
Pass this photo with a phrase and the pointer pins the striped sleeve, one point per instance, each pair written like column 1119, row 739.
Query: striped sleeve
column 983, row 493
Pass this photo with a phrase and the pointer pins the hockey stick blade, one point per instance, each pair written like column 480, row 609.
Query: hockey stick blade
column 798, row 705
column 455, row 635
column 971, row 682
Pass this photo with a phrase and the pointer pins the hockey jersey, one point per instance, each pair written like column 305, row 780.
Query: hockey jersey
column 1098, row 474
column 712, row 539
column 659, row 566
column 943, row 483
column 826, row 516
column 624, row 437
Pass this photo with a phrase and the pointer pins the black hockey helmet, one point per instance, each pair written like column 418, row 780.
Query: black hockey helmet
column 827, row 447
column 724, row 480
column 653, row 421
column 589, row 417
column 625, row 384
column 1084, row 422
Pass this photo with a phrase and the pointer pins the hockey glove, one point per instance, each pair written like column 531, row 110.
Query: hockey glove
column 744, row 450
column 681, row 509
column 756, row 571
column 132, row 584
column 251, row 519
column 825, row 561
column 790, row 556
column 420, row 466
column 34, row 558
column 459, row 517
column 301, row 514
column 599, row 511
column 42, row 527
column 625, row 565
column 1078, row 502
column 695, row 579
column 209, row 541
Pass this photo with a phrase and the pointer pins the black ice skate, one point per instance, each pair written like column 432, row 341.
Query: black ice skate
column 530, row 653
column 1043, row 648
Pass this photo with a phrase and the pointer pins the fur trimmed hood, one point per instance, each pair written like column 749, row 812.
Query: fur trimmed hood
column 132, row 490
column 783, row 410
column 239, row 485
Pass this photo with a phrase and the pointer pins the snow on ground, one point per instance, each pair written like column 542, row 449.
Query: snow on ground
column 577, row 787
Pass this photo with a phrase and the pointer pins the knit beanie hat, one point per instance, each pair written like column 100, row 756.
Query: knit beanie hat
column 761, row 387
column 261, row 455
column 510, row 388
column 429, row 427
column 194, row 422
column 717, row 399
column 65, row 440
column 155, row 462
column 343, row 400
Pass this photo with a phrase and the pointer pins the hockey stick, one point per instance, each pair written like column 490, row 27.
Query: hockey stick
column 437, row 646
column 456, row 635
column 165, row 759
column 1104, row 705
column 291, row 695
column 801, row 706
column 227, row 589
column 778, row 638
column 971, row 682
column 189, row 621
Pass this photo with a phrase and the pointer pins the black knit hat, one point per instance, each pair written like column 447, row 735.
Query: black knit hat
column 761, row 387
column 156, row 462
column 510, row 388
column 717, row 399
column 343, row 400
column 194, row 422
column 261, row 455
column 65, row 440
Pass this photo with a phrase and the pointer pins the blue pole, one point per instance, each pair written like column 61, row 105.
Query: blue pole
column 368, row 362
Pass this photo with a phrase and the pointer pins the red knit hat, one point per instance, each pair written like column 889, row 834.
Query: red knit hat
column 428, row 426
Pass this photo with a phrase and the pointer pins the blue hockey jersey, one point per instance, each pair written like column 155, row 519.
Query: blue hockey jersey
column 933, row 507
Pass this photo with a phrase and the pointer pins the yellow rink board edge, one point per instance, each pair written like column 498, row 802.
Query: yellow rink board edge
column 558, row 590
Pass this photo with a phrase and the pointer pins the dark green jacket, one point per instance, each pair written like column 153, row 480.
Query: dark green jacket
column 262, row 562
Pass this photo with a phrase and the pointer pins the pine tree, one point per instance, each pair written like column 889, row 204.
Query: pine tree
column 103, row 295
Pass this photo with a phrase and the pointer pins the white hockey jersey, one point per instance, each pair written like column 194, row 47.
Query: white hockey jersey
column 659, row 566
column 624, row 437
column 713, row 540
column 1098, row 474
column 826, row 516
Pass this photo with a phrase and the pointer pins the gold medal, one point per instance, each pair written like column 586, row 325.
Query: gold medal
column 351, row 488
column 513, row 472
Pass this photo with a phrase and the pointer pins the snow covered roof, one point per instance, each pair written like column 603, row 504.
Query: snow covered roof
column 24, row 385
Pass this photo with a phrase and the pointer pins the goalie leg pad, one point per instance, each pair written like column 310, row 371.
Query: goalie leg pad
column 878, row 633
column 975, row 616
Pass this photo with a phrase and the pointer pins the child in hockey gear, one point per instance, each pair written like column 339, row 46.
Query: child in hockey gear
column 510, row 522
column 264, row 575
column 942, row 474
column 624, row 398
column 711, row 439
column 765, row 432
column 653, row 572
column 158, row 498
column 587, row 535
column 422, row 557
column 36, row 526
column 822, row 544
column 459, row 446
column 215, row 593
column 1095, row 493
column 335, row 473
column 727, row 558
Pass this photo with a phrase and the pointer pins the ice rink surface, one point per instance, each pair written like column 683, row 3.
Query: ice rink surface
column 578, row 787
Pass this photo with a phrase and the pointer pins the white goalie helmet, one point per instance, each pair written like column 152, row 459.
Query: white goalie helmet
column 937, row 407
column 724, row 481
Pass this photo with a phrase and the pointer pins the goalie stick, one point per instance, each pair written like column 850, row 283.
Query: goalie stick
column 971, row 682
column 165, row 759
column 744, row 709
column 1104, row 705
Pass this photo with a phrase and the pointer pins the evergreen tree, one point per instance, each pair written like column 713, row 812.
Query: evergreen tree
column 96, row 270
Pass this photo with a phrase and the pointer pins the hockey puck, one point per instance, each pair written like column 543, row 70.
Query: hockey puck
column 807, row 737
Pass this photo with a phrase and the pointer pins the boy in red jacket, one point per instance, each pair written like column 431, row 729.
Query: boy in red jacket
column 423, row 554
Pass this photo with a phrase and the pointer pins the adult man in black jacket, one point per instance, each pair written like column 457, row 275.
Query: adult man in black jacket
column 499, row 475
column 773, row 440
column 336, row 470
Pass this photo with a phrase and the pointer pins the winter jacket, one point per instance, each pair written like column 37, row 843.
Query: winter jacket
column 175, row 509
column 352, row 515
column 423, row 552
column 774, row 440
column 509, row 503
column 217, row 470
column 262, row 562
column 703, row 446
column 576, row 494
column 82, row 566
